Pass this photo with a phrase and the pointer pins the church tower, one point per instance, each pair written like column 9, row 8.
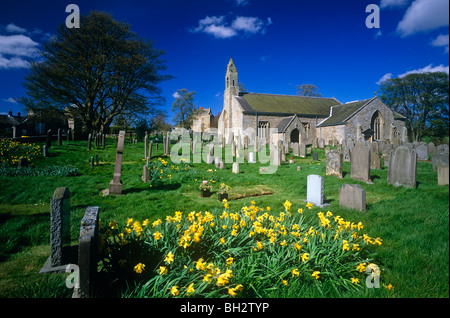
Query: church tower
column 231, row 90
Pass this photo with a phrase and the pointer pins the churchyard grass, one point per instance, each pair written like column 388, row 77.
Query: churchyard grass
column 412, row 223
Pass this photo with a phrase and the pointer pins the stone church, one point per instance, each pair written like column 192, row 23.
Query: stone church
column 304, row 119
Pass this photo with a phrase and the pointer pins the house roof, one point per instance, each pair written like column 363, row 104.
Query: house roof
column 11, row 120
column 341, row 113
column 286, row 104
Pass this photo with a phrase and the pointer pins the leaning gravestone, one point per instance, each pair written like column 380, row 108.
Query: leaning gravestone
column 314, row 190
column 352, row 196
column 115, row 186
column 360, row 162
column 402, row 168
column 334, row 163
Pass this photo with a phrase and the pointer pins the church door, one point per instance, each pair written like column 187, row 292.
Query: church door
column 294, row 135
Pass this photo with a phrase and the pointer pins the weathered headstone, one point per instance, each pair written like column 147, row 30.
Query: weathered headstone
column 321, row 143
column 315, row 156
column 59, row 225
column 48, row 140
column 251, row 157
column 375, row 160
column 334, row 163
column 146, row 146
column 92, row 161
column 442, row 157
column 145, row 174
column 402, row 168
column 59, row 137
column 87, row 252
column 115, row 186
column 314, row 190
column 235, row 167
column 360, row 162
column 346, row 154
column 442, row 149
column 89, row 142
column 422, row 152
column 302, row 150
column 431, row 148
column 352, row 196
column 45, row 151
column 442, row 172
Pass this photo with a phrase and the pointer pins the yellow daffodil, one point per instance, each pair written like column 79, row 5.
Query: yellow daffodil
column 169, row 258
column 174, row 291
column 315, row 274
column 162, row 270
column 222, row 240
column 361, row 267
column 295, row 272
column 157, row 235
column 190, row 288
column 355, row 280
column 139, row 268
column 305, row 257
column 309, row 205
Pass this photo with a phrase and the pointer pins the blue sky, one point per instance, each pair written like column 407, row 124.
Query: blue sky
column 275, row 45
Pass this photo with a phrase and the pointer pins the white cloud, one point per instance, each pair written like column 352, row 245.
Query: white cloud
column 424, row 15
column 441, row 40
column 15, row 50
column 384, row 77
column 392, row 3
column 242, row 2
column 218, row 27
column 428, row 69
column 12, row 28
column 10, row 100
column 176, row 95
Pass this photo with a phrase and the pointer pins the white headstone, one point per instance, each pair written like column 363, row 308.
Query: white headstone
column 235, row 167
column 251, row 157
column 314, row 190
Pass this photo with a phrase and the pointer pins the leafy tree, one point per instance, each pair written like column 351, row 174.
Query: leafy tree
column 423, row 99
column 184, row 108
column 308, row 90
column 96, row 73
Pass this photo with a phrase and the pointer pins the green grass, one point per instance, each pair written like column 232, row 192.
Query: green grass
column 413, row 223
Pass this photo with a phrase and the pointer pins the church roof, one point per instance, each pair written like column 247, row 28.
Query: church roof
column 340, row 114
column 286, row 104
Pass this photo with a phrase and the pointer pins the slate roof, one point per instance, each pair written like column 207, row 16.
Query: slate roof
column 286, row 104
column 341, row 113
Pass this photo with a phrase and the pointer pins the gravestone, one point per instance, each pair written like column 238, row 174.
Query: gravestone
column 442, row 149
column 314, row 190
column 442, row 172
column 59, row 137
column 352, row 196
column 315, row 156
column 92, row 161
column 295, row 149
column 302, row 150
column 235, row 167
column 346, row 154
column 431, row 148
column 334, row 163
column 442, row 157
column 45, row 151
column 69, row 133
column 87, row 253
column 89, row 142
column 422, row 152
column 375, row 160
column 402, row 168
column 360, row 162
column 115, row 186
column 59, row 225
column 251, row 157
column 321, row 143
column 146, row 146
column 145, row 174
column 48, row 140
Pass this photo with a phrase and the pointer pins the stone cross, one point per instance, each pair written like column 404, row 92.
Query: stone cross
column 115, row 186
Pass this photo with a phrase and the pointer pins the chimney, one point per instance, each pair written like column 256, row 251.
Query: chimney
column 10, row 113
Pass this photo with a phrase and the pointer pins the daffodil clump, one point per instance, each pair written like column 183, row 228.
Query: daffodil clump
column 253, row 252
column 11, row 151
column 161, row 172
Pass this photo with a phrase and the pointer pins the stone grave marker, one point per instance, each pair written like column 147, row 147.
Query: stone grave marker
column 442, row 149
column 375, row 160
column 431, row 148
column 115, row 186
column 442, row 172
column 314, row 190
column 422, row 152
column 360, row 162
column 334, row 163
column 235, row 167
column 48, row 140
column 145, row 173
column 315, row 156
column 352, row 196
column 402, row 168
column 442, row 157
column 302, row 150
column 89, row 142
column 251, row 157
column 59, row 225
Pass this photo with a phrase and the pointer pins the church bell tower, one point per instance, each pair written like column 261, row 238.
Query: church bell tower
column 231, row 90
